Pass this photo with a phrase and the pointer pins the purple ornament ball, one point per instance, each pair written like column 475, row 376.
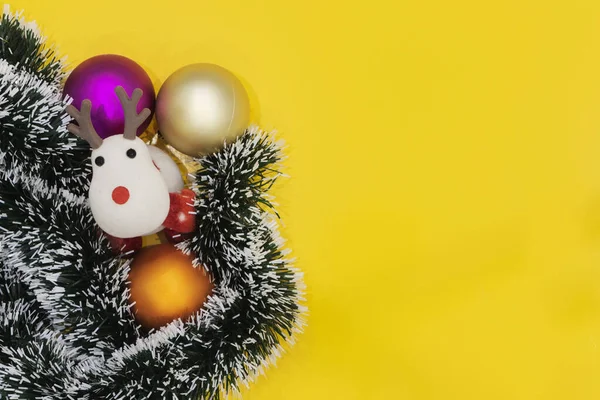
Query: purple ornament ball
column 96, row 79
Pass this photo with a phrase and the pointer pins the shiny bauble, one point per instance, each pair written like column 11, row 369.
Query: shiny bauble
column 164, row 286
column 96, row 79
column 200, row 107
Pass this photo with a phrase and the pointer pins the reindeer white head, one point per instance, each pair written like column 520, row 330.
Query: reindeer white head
column 128, row 196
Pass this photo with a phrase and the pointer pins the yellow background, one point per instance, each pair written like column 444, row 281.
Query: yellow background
column 445, row 193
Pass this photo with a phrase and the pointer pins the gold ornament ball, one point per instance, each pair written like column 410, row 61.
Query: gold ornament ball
column 164, row 285
column 201, row 106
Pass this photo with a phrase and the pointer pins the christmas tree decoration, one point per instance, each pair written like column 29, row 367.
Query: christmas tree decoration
column 200, row 107
column 128, row 195
column 78, row 321
column 165, row 285
column 95, row 79
column 182, row 214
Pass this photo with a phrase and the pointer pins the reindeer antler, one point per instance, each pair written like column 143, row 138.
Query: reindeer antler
column 85, row 130
column 132, row 119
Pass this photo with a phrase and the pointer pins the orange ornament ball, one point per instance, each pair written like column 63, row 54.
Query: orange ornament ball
column 164, row 286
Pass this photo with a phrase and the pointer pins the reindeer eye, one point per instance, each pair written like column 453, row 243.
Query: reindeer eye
column 99, row 161
column 131, row 153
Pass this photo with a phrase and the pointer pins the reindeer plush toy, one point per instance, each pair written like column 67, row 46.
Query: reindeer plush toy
column 136, row 189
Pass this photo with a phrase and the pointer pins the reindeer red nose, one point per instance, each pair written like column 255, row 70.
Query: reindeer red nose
column 120, row 195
